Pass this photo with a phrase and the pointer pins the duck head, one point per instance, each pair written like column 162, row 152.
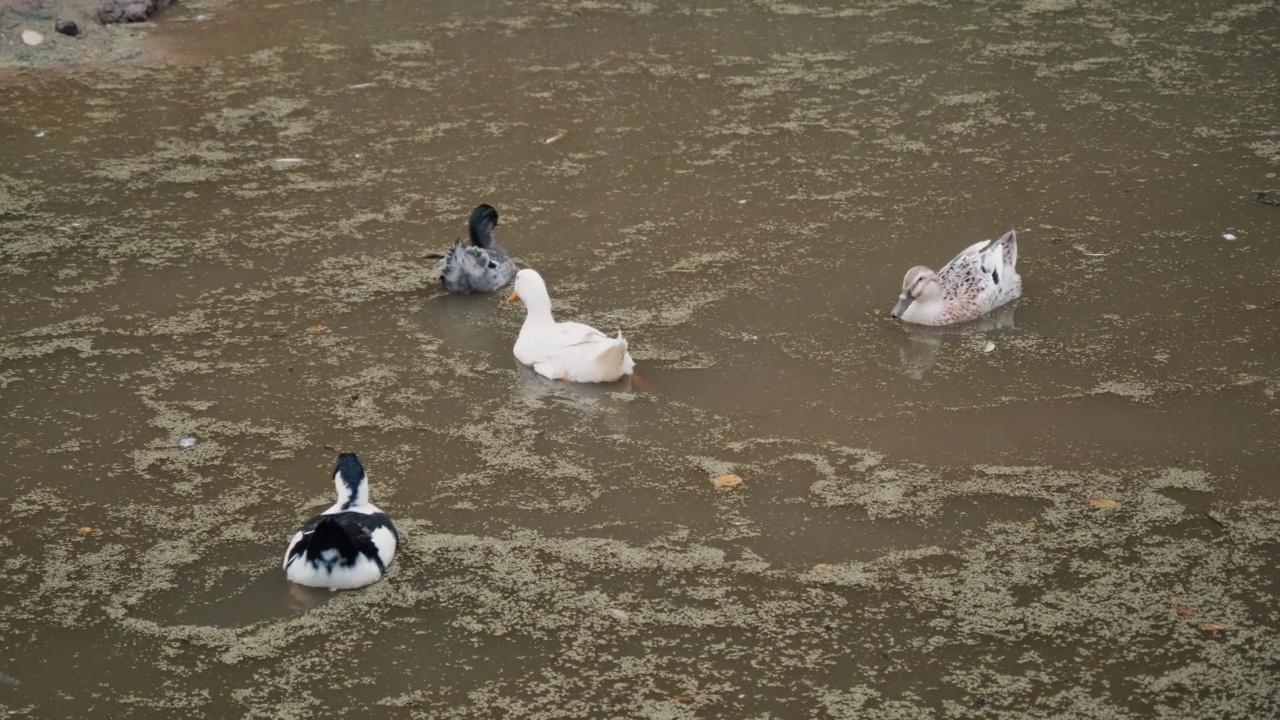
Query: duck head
column 484, row 218
column 530, row 288
column 351, row 481
column 919, row 284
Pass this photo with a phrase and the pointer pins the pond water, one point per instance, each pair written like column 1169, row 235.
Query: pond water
column 227, row 241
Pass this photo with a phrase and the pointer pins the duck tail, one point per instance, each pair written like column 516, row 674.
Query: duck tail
column 615, row 351
column 330, row 535
column 460, row 264
column 1009, row 248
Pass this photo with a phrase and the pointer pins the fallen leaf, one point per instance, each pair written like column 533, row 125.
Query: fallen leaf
column 703, row 76
column 682, row 698
column 317, row 329
column 32, row 38
column 1102, row 502
column 821, row 568
column 1212, row 626
column 85, row 530
column 726, row 481
column 1185, row 610
column 554, row 138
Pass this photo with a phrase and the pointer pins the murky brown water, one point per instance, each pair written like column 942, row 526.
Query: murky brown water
column 914, row 537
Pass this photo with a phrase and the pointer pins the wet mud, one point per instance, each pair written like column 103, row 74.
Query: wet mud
column 100, row 32
column 228, row 245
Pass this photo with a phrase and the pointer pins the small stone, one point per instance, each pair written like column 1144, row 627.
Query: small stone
column 619, row 615
column 988, row 347
column 67, row 27
column 1228, row 236
column 32, row 38
column 186, row 442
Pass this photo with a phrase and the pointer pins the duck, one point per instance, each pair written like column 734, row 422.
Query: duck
column 482, row 266
column 348, row 546
column 983, row 277
column 564, row 350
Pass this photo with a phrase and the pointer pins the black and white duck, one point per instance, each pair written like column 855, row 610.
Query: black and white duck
column 348, row 546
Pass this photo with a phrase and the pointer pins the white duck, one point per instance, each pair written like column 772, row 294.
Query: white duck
column 347, row 546
column 980, row 279
column 566, row 350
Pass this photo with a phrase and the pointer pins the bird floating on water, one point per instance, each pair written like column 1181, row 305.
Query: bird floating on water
column 564, row 350
column 981, row 278
column 482, row 266
column 348, row 546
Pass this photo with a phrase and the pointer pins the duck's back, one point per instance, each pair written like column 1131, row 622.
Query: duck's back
column 342, row 550
column 981, row 278
column 574, row 351
column 470, row 269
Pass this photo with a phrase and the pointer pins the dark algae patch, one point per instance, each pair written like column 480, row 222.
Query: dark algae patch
column 214, row 279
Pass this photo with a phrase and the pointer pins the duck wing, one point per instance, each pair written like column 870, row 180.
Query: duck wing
column 583, row 354
column 469, row 269
column 338, row 539
column 983, row 276
column 563, row 337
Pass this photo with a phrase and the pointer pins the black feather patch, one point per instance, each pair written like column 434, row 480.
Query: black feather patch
column 350, row 534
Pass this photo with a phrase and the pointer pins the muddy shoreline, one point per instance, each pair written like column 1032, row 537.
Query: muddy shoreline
column 102, row 31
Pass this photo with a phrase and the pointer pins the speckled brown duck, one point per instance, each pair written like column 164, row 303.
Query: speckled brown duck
column 980, row 279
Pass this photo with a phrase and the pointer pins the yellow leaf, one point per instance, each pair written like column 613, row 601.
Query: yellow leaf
column 682, row 698
column 85, row 530
column 704, row 76
column 726, row 481
column 317, row 329
column 1212, row 626
column 1102, row 502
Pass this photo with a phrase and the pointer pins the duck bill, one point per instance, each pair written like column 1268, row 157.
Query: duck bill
column 904, row 302
column 513, row 297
